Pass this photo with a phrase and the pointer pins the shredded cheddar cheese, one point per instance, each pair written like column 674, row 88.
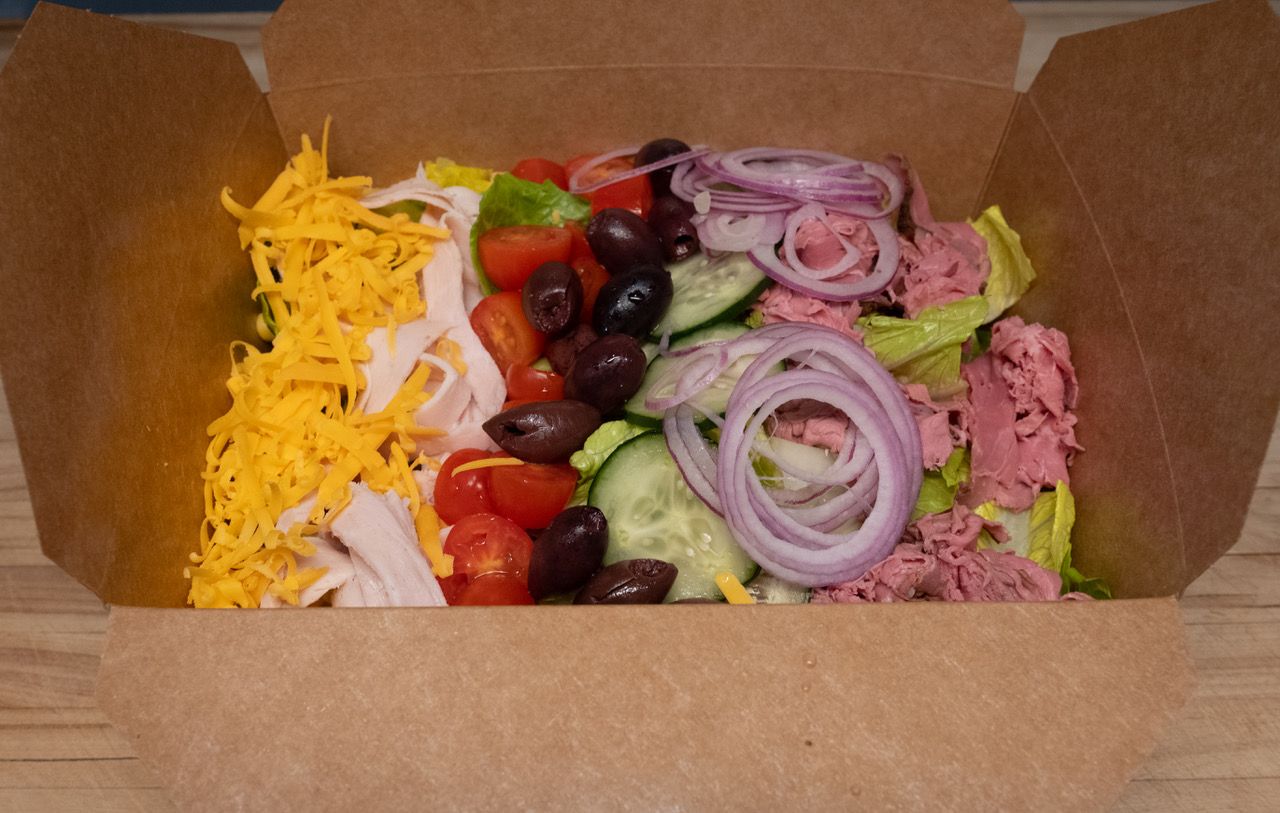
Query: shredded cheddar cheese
column 486, row 463
column 733, row 590
column 330, row 270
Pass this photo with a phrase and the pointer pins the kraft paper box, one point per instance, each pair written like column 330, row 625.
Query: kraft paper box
column 1140, row 169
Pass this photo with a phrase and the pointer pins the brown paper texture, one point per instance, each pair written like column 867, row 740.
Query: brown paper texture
column 123, row 282
column 1140, row 170
column 922, row 707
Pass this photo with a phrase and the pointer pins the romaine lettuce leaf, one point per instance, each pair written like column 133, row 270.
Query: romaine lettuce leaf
column 925, row 350
column 938, row 488
column 510, row 201
column 597, row 447
column 1011, row 271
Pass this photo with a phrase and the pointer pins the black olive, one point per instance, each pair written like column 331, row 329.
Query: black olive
column 631, row 581
column 543, row 431
column 562, row 351
column 621, row 241
column 654, row 151
column 607, row 373
column 552, row 298
column 633, row 303
column 568, row 551
column 671, row 219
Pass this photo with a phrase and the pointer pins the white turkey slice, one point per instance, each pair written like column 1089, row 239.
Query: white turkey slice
column 328, row 555
column 390, row 567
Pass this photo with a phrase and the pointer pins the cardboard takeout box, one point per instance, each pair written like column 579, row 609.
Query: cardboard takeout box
column 1140, row 170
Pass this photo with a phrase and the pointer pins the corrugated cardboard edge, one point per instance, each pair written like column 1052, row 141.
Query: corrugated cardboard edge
column 922, row 707
column 110, row 268
column 1184, row 98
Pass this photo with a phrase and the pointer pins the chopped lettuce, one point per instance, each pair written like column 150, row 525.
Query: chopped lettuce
column 938, row 489
column 1043, row 535
column 413, row 209
column 925, row 350
column 597, row 447
column 443, row 172
column 510, row 201
column 1011, row 271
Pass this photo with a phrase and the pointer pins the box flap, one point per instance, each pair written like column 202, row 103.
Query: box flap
column 1012, row 707
column 1154, row 226
column 116, row 140
column 492, row 82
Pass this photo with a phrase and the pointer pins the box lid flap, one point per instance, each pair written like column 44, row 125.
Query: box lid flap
column 311, row 42
column 1166, row 130
column 1019, row 707
column 116, row 141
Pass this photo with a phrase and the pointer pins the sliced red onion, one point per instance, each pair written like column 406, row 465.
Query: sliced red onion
column 791, row 254
column 796, row 533
column 766, row 259
column 734, row 231
column 578, row 188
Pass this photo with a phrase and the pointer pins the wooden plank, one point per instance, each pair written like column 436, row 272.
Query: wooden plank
column 124, row 800
column 111, row 773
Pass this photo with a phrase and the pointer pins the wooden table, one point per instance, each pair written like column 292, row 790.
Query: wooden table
column 57, row 751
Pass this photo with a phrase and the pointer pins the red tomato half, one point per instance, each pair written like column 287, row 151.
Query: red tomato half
column 510, row 254
column 593, row 277
column 538, row 170
column 505, row 332
column 531, row 495
column 579, row 246
column 495, row 589
column 635, row 193
column 484, row 544
column 468, row 493
column 524, row 383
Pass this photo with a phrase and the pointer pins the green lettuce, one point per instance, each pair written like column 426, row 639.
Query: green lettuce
column 1043, row 535
column 1011, row 271
column 938, row 489
column 925, row 350
column 597, row 447
column 510, row 201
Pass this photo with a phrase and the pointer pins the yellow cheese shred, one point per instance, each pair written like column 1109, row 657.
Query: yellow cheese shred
column 733, row 590
column 330, row 271
column 486, row 463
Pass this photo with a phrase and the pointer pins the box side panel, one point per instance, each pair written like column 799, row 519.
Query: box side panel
column 319, row 42
column 123, row 282
column 1127, row 515
column 1171, row 131
column 641, row 708
column 385, row 128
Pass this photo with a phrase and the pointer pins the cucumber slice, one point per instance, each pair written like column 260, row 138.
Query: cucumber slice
column 710, row 290
column 653, row 515
column 712, row 399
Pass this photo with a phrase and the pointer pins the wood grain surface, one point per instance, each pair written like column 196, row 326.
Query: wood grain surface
column 58, row 753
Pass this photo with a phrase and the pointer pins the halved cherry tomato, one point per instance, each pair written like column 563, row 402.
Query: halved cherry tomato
column 483, row 544
column 468, row 493
column 538, row 170
column 593, row 278
column 531, row 495
column 510, row 254
column 526, row 383
column 505, row 332
column 579, row 247
column 512, row 403
column 494, row 590
column 635, row 193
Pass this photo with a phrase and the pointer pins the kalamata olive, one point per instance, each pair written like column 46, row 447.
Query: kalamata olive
column 568, row 551
column 543, row 431
column 621, row 241
column 671, row 219
column 631, row 581
column 607, row 372
column 633, row 303
column 654, row 151
column 562, row 351
column 552, row 298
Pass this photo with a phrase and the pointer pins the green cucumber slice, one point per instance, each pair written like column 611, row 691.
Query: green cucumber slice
column 714, row 398
column 709, row 290
column 653, row 515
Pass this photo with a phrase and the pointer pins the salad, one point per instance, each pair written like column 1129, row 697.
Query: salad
column 664, row 373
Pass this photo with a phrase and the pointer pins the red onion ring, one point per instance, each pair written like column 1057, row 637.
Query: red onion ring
column 796, row 533
column 766, row 259
column 578, row 188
